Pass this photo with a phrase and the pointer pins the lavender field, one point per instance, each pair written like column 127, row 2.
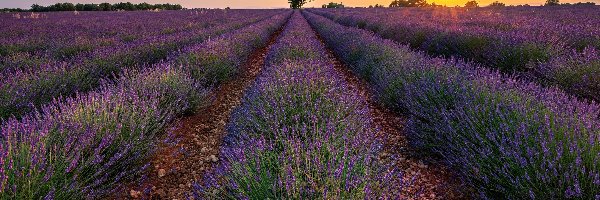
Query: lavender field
column 348, row 103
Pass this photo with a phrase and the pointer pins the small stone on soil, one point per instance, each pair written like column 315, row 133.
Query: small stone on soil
column 161, row 193
column 161, row 173
column 134, row 194
column 422, row 165
column 214, row 158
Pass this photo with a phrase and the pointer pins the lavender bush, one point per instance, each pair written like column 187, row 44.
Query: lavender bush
column 218, row 60
column 83, row 146
column 87, row 145
column 23, row 90
column 513, row 40
column 299, row 134
column 577, row 73
column 508, row 139
column 63, row 35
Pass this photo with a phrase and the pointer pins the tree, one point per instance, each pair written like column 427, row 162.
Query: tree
column 91, row 7
column 552, row 3
column 434, row 5
column 124, row 6
column 36, row 8
column 497, row 4
column 79, row 7
column 472, row 4
column 584, row 4
column 144, row 6
column 105, row 7
column 296, row 4
column 333, row 5
column 8, row 10
column 68, row 7
column 408, row 3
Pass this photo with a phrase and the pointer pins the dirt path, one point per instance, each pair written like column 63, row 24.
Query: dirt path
column 431, row 181
column 174, row 168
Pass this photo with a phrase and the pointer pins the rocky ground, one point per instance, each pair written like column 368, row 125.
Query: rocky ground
column 428, row 180
column 175, row 168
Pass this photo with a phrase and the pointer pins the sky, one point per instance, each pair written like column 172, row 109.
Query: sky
column 266, row 3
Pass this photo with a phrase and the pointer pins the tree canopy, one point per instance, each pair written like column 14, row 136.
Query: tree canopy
column 408, row 3
column 333, row 5
column 376, row 6
column 103, row 7
column 497, row 4
column 296, row 4
column 552, row 3
column 472, row 4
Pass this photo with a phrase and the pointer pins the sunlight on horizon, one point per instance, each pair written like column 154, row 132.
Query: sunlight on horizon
column 271, row 3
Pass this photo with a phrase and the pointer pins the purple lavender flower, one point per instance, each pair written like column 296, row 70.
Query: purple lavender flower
column 506, row 138
column 28, row 87
column 552, row 46
column 83, row 146
column 299, row 133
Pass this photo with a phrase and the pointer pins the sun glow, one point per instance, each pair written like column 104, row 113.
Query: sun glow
column 274, row 3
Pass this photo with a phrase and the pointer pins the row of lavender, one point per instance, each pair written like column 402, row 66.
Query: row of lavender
column 63, row 35
column 552, row 46
column 299, row 134
column 507, row 139
column 85, row 146
column 22, row 90
column 109, row 47
column 75, row 38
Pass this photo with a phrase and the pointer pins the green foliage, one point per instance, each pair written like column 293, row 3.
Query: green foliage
column 583, row 78
column 376, row 6
column 71, row 51
column 333, row 5
column 408, row 3
column 497, row 4
column 7, row 10
column 297, row 4
column 472, row 4
column 552, row 3
column 104, row 7
column 515, row 59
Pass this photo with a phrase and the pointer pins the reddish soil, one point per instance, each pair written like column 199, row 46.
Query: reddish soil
column 175, row 168
column 431, row 181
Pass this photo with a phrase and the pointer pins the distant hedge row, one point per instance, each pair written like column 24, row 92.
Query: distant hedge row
column 99, row 7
